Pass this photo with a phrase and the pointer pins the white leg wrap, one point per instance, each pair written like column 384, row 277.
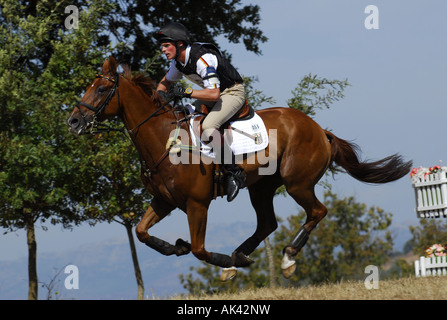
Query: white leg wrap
column 287, row 261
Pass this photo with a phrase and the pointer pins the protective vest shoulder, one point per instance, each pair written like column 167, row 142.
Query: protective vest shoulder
column 227, row 74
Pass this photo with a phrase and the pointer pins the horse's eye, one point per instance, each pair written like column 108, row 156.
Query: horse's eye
column 102, row 89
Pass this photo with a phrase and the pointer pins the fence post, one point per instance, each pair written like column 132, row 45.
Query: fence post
column 417, row 270
column 422, row 263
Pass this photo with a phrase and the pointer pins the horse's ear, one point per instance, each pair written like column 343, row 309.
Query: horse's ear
column 109, row 66
column 112, row 65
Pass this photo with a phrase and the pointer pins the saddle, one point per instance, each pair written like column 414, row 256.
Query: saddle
column 196, row 118
column 244, row 113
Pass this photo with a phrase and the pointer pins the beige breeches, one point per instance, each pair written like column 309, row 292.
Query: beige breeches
column 230, row 101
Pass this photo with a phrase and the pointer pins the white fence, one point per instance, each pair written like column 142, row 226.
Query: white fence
column 436, row 266
column 430, row 185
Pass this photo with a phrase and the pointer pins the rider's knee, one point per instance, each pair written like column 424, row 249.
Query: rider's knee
column 209, row 133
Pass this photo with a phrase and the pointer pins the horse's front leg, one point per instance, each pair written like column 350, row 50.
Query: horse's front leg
column 197, row 218
column 156, row 212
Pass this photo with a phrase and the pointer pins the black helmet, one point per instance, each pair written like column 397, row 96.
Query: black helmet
column 174, row 32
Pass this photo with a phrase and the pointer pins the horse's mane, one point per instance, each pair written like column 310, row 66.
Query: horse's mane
column 143, row 81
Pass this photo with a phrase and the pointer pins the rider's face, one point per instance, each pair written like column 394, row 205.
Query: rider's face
column 169, row 50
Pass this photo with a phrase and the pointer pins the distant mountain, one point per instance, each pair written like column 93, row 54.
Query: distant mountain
column 106, row 270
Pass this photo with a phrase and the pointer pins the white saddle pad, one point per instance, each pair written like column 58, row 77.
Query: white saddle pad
column 248, row 136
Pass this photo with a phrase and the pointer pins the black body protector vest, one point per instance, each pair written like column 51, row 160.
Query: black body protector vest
column 226, row 73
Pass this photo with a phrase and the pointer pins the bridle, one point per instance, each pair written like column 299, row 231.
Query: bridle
column 99, row 127
column 95, row 125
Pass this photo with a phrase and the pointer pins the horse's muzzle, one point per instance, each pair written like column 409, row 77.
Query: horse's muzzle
column 77, row 124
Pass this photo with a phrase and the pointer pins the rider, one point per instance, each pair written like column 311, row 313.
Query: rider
column 223, row 92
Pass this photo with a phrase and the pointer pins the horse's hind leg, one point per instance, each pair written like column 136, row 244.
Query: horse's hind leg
column 315, row 211
column 156, row 212
column 261, row 196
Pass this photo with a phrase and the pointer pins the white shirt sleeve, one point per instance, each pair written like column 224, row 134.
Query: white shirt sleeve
column 205, row 65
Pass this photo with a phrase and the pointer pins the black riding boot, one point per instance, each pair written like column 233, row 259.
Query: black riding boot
column 235, row 180
column 234, row 177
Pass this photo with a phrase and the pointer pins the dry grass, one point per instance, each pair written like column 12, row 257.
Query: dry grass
column 412, row 288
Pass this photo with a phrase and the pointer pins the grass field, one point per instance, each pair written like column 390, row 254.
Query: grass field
column 412, row 288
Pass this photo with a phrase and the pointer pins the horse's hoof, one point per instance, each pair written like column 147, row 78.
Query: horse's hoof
column 239, row 259
column 288, row 266
column 228, row 274
column 182, row 247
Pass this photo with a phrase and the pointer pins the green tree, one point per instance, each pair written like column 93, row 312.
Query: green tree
column 133, row 22
column 314, row 93
column 429, row 232
column 45, row 174
column 350, row 238
column 42, row 68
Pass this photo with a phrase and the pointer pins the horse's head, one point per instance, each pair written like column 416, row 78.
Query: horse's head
column 101, row 100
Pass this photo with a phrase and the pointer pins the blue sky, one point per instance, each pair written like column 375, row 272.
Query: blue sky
column 396, row 104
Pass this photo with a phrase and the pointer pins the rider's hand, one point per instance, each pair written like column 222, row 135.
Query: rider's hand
column 179, row 92
column 165, row 96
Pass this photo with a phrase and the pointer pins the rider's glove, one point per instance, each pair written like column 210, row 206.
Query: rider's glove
column 180, row 92
column 164, row 95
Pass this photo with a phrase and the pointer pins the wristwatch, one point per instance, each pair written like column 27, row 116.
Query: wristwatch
column 188, row 92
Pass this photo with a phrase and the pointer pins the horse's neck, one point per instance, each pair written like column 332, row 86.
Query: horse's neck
column 151, row 136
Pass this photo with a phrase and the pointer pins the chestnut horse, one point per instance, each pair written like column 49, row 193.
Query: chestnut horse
column 301, row 150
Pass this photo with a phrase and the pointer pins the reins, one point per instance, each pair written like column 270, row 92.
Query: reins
column 151, row 116
column 97, row 127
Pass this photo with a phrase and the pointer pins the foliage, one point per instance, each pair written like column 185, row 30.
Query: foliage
column 313, row 93
column 132, row 24
column 45, row 173
column 36, row 159
column 399, row 269
column 256, row 98
column 347, row 240
column 43, row 67
column 428, row 232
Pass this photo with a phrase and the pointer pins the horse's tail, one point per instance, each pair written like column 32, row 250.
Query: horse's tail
column 346, row 155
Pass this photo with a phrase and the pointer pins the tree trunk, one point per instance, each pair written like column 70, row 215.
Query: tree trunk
column 271, row 264
column 32, row 256
column 136, row 265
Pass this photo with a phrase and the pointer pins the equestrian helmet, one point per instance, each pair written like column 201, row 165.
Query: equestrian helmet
column 173, row 32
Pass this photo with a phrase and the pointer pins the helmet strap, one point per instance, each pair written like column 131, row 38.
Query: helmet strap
column 177, row 49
